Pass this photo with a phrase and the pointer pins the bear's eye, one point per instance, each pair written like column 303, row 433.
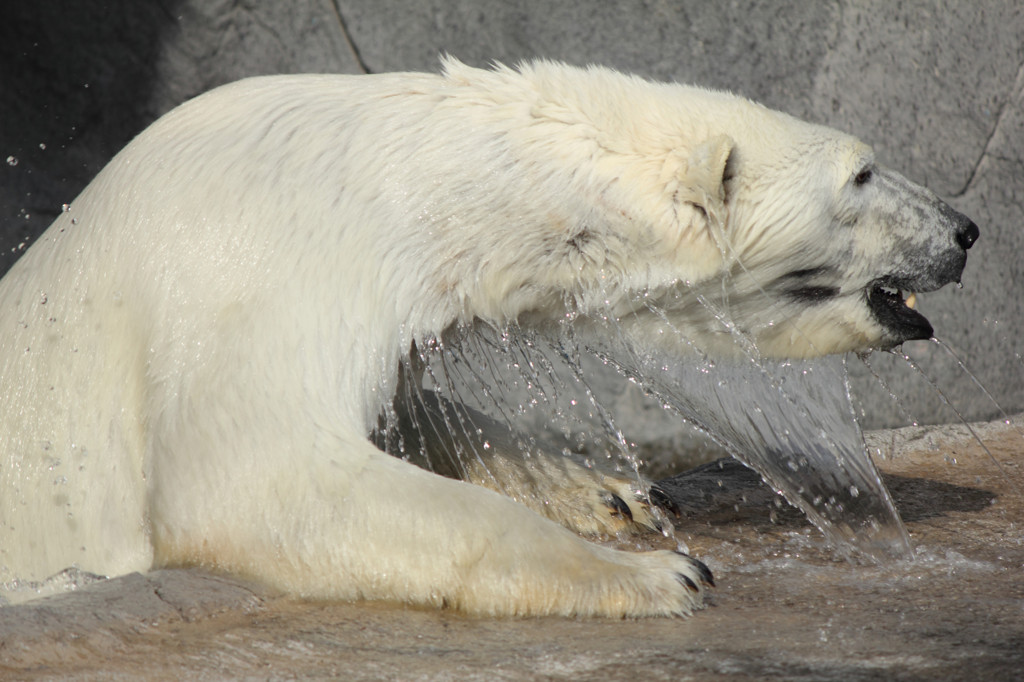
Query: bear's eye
column 863, row 177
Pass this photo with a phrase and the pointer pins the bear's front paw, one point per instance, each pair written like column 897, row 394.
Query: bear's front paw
column 626, row 508
column 587, row 500
column 668, row 583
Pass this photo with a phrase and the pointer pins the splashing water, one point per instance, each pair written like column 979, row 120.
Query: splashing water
column 501, row 409
column 974, row 380
column 917, row 369
column 68, row 580
column 793, row 422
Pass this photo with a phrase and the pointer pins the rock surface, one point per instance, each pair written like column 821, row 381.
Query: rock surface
column 785, row 607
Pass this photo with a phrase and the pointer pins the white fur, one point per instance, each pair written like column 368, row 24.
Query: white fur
column 194, row 354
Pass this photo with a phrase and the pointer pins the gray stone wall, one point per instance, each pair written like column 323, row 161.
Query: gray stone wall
column 936, row 87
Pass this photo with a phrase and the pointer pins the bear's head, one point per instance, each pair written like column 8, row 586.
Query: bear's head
column 821, row 249
column 701, row 220
column 723, row 225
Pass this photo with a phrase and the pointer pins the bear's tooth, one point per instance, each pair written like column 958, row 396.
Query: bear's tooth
column 911, row 300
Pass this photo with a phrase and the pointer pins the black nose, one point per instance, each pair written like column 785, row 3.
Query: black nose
column 967, row 234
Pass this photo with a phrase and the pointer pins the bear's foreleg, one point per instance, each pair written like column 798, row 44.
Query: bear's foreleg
column 371, row 526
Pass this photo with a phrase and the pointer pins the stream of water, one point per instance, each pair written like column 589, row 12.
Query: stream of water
column 793, row 421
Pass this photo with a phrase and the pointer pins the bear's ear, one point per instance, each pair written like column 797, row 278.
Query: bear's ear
column 705, row 174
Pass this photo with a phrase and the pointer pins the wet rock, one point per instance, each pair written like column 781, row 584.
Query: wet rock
column 105, row 615
column 785, row 607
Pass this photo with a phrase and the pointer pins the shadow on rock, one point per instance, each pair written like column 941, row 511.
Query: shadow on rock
column 726, row 491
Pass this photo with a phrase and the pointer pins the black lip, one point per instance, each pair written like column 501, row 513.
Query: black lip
column 889, row 308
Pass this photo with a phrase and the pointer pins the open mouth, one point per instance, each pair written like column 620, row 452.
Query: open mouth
column 894, row 310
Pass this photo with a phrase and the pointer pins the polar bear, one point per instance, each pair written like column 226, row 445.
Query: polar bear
column 195, row 353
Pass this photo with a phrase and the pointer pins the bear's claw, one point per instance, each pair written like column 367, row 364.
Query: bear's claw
column 705, row 573
column 690, row 585
column 662, row 500
column 617, row 507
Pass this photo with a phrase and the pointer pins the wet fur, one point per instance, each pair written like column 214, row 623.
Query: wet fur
column 194, row 354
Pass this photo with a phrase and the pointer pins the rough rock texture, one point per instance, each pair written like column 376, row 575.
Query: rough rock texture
column 785, row 606
column 936, row 87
